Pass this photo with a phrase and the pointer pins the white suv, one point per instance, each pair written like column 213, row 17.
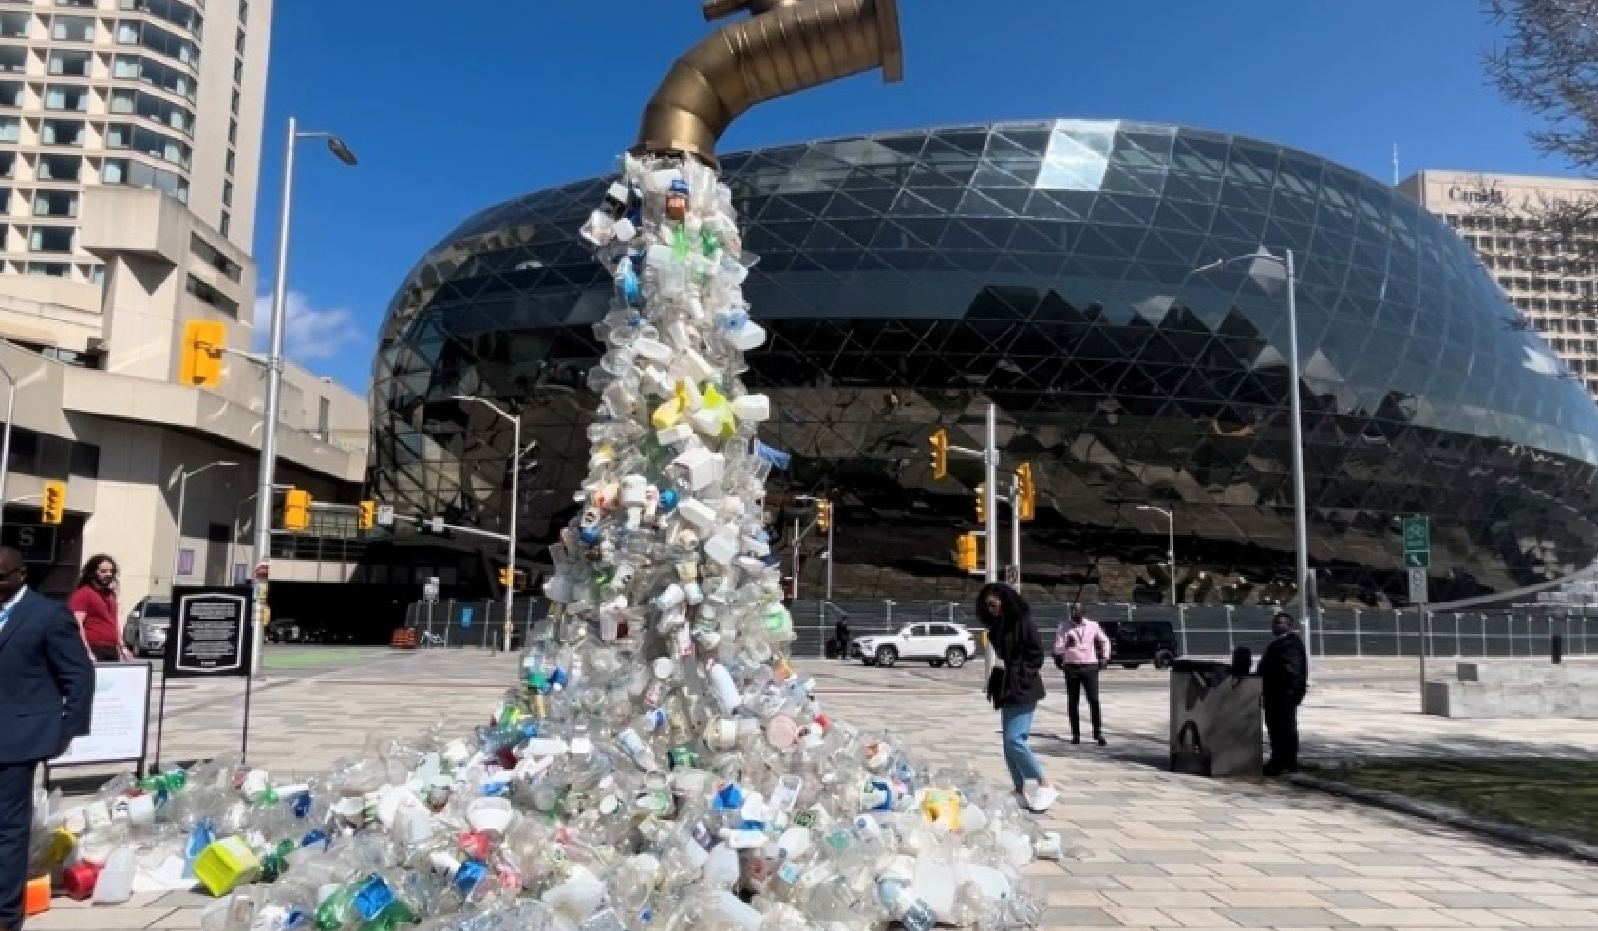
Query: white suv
column 937, row 644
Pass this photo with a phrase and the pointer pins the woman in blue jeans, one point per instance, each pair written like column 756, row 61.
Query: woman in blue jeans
column 1015, row 685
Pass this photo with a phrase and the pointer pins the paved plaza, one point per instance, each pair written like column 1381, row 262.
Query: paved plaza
column 1160, row 851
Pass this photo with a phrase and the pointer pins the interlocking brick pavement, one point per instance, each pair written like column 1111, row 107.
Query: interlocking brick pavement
column 1161, row 852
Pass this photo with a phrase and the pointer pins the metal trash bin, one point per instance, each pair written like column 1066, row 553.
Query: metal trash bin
column 1216, row 726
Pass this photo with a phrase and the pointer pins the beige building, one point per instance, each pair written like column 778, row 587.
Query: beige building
column 114, row 422
column 159, row 94
column 1549, row 274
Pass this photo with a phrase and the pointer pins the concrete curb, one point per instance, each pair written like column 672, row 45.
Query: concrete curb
column 1453, row 817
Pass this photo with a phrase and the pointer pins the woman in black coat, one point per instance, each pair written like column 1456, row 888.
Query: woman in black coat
column 1015, row 685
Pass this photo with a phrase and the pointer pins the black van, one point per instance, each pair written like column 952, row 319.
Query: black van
column 1134, row 643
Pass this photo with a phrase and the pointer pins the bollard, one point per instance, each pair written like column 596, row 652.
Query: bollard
column 1556, row 649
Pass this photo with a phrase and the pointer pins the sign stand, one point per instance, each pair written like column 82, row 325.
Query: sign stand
column 210, row 639
column 120, row 727
column 1417, row 560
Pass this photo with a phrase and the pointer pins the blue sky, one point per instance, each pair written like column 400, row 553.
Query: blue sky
column 454, row 109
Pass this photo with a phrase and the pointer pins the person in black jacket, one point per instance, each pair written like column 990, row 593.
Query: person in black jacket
column 840, row 636
column 1284, row 667
column 1015, row 685
column 46, row 696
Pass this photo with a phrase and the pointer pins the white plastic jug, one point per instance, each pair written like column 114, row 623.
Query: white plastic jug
column 115, row 885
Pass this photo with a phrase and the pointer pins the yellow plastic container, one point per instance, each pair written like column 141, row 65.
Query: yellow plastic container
column 225, row 864
column 58, row 849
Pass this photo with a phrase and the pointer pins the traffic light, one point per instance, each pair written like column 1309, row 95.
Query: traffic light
column 296, row 509
column 55, row 503
column 824, row 515
column 940, row 453
column 366, row 518
column 507, row 575
column 982, row 503
column 1027, row 497
column 965, row 552
column 201, row 359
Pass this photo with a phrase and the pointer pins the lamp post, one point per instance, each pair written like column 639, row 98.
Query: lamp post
column 800, row 535
column 1170, row 554
column 1300, row 520
column 274, row 372
column 515, row 501
column 183, row 490
column 5, row 443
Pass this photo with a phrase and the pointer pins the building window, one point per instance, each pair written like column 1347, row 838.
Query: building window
column 71, row 64
column 156, row 39
column 72, row 29
column 8, row 164
column 173, row 11
column 227, row 224
column 15, row 25
column 238, row 42
column 55, row 203
column 85, row 4
column 139, row 139
column 208, row 254
column 84, row 460
column 50, row 239
column 238, row 71
column 244, row 11
column 153, row 108
column 5, row 204
column 227, row 193
column 209, row 295
column 232, row 132
column 50, row 269
column 13, row 59
column 229, row 162
column 59, row 167
column 11, row 94
column 137, row 174
column 63, row 132
column 235, row 103
column 324, row 413
column 66, row 97
column 10, row 129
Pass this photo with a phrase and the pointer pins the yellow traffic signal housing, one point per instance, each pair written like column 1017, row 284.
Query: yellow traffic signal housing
column 1026, row 503
column 939, row 441
column 55, row 503
column 366, row 517
column 965, row 552
column 824, row 515
column 201, row 359
column 296, row 509
column 982, row 503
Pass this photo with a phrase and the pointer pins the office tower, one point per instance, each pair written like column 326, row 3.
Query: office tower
column 1544, row 266
column 163, row 94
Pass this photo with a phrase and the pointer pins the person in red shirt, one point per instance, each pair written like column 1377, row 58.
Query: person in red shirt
column 94, row 604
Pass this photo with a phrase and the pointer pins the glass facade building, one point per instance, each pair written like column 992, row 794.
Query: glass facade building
column 908, row 279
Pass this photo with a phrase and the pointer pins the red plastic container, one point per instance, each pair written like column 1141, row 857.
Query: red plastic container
column 78, row 880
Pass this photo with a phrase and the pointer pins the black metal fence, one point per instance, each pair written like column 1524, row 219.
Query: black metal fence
column 1201, row 630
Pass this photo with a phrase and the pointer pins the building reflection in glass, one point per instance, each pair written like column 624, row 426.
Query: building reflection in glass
column 909, row 278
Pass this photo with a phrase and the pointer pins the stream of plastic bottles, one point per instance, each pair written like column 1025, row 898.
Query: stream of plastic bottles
column 659, row 765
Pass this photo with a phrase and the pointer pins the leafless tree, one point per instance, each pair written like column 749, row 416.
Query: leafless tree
column 1547, row 62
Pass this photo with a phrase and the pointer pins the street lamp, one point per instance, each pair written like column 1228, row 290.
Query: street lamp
column 183, row 490
column 274, row 370
column 1300, row 521
column 515, row 504
column 797, row 536
column 1170, row 554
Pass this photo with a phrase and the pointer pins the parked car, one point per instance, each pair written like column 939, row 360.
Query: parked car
column 937, row 644
column 144, row 634
column 1134, row 643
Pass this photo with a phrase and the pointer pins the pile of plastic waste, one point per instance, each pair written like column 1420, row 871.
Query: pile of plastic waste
column 659, row 765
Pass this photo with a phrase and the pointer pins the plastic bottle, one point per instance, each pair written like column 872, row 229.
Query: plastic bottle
column 114, row 885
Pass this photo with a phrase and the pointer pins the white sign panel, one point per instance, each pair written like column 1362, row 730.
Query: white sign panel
column 1417, row 586
column 121, row 717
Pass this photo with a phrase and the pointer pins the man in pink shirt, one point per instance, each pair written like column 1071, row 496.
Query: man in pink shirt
column 1081, row 649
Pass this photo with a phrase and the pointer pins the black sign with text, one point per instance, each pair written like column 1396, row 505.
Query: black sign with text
column 211, row 633
column 36, row 542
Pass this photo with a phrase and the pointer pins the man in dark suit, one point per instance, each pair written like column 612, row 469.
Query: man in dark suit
column 1284, row 667
column 46, row 695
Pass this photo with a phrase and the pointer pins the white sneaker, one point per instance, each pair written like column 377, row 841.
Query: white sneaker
column 1039, row 799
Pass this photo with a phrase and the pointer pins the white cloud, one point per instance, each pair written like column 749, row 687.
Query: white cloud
column 309, row 332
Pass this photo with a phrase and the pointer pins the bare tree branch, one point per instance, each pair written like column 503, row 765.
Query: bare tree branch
column 1547, row 62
